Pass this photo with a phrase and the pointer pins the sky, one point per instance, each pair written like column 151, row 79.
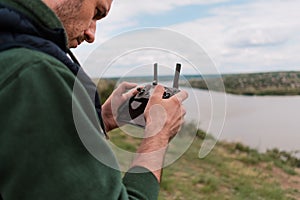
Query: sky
column 239, row 36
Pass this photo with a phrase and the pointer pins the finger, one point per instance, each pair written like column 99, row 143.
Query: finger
column 124, row 87
column 130, row 93
column 134, row 92
column 128, row 85
column 181, row 96
column 158, row 91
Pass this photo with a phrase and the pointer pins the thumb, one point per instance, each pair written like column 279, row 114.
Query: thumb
column 158, row 91
column 128, row 85
column 124, row 86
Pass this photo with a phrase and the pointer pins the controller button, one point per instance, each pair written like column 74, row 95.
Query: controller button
column 166, row 95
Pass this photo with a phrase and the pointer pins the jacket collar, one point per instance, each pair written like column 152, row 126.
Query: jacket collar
column 38, row 12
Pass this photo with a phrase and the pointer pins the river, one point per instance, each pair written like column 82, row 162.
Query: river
column 262, row 122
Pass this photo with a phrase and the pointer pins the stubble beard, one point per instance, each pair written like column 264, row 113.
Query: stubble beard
column 68, row 11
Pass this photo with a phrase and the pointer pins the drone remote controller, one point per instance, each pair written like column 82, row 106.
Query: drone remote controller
column 132, row 111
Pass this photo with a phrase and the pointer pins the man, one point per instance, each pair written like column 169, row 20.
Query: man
column 41, row 154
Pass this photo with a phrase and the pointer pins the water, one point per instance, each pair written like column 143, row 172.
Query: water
column 262, row 122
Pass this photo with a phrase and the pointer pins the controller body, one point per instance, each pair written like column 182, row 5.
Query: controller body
column 132, row 111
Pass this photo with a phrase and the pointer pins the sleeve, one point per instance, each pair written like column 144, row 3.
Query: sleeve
column 140, row 183
column 41, row 153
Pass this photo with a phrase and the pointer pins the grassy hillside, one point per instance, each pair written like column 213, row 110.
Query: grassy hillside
column 105, row 87
column 230, row 171
column 271, row 83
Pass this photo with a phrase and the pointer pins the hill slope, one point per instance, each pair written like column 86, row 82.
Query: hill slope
column 271, row 83
column 230, row 171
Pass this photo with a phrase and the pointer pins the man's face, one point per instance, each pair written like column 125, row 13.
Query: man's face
column 79, row 18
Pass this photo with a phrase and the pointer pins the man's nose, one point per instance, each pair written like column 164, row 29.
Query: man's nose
column 89, row 34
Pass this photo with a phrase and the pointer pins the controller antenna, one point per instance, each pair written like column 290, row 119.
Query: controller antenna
column 176, row 77
column 155, row 81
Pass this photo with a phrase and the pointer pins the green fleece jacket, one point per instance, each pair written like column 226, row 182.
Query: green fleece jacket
column 41, row 154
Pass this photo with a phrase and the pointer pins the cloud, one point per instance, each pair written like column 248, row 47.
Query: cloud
column 256, row 36
column 129, row 9
column 251, row 36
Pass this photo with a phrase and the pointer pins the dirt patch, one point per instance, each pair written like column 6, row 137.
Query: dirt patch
column 290, row 183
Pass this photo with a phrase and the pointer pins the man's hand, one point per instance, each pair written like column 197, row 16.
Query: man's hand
column 164, row 115
column 114, row 101
column 164, row 118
